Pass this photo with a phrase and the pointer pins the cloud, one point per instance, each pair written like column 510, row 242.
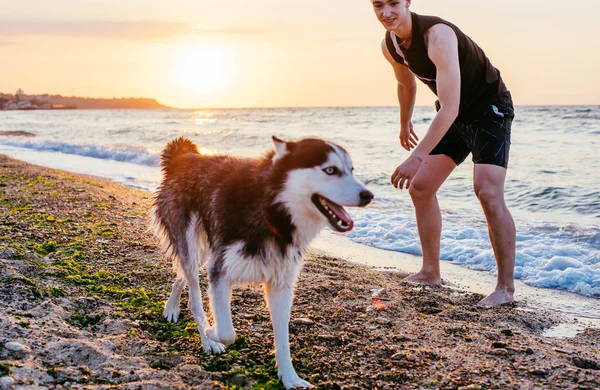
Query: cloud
column 136, row 30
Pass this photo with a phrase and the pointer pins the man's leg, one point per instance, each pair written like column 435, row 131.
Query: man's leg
column 488, row 181
column 434, row 170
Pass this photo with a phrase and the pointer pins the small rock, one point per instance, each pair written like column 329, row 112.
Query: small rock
column 507, row 332
column 539, row 372
column 529, row 351
column 498, row 344
column 376, row 292
column 398, row 356
column 303, row 321
column 585, row 363
column 325, row 336
column 239, row 381
column 383, row 321
column 16, row 347
column 400, row 338
column 429, row 310
column 6, row 382
column 499, row 352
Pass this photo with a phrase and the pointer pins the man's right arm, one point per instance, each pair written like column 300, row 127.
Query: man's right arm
column 407, row 91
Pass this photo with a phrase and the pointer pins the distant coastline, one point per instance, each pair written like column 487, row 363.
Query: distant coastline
column 22, row 101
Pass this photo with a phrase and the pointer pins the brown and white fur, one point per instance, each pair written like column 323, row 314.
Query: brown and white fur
column 249, row 221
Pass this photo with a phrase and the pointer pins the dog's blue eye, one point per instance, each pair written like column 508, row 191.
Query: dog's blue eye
column 331, row 171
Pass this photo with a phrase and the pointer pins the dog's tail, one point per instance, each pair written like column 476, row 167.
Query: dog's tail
column 176, row 148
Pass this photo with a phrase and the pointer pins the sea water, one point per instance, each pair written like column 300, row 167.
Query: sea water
column 552, row 187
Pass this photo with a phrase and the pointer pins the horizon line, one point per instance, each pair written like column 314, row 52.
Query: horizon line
column 281, row 107
column 361, row 106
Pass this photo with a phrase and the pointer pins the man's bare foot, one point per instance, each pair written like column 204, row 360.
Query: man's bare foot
column 500, row 296
column 424, row 277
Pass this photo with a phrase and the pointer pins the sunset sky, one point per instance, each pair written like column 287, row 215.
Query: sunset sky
column 279, row 53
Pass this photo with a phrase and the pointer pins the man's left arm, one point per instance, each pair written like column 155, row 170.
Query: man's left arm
column 442, row 48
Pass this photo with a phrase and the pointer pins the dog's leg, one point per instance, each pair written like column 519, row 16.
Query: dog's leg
column 172, row 306
column 198, row 311
column 220, row 305
column 280, row 300
column 189, row 264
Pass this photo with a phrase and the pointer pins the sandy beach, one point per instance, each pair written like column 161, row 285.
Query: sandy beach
column 82, row 287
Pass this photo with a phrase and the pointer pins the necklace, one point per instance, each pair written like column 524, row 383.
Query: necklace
column 404, row 41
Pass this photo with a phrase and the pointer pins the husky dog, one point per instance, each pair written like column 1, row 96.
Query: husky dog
column 250, row 220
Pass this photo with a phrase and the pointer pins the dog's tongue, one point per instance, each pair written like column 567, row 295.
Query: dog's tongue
column 341, row 213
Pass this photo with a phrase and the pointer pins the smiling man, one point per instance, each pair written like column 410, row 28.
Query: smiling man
column 475, row 113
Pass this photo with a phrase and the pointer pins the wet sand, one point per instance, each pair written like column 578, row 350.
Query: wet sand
column 573, row 307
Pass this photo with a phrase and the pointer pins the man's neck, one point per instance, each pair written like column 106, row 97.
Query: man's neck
column 404, row 30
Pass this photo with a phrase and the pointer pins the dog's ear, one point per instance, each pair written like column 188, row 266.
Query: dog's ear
column 282, row 148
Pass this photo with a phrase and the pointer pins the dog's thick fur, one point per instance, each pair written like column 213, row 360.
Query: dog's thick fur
column 250, row 221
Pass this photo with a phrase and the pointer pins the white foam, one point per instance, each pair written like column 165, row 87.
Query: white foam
column 106, row 152
column 133, row 175
column 555, row 257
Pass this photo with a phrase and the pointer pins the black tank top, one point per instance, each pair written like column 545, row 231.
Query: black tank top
column 480, row 80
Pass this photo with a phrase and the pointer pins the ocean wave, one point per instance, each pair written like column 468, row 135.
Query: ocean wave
column 574, row 199
column 119, row 153
column 547, row 255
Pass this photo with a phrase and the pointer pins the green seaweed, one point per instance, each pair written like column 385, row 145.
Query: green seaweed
column 84, row 320
column 5, row 369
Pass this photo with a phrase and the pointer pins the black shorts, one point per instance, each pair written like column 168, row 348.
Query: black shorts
column 486, row 133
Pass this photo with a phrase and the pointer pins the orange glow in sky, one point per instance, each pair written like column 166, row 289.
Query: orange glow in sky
column 196, row 54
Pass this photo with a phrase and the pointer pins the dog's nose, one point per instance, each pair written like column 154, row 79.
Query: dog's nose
column 366, row 197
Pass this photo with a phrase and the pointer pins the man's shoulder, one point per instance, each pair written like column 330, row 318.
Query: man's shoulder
column 440, row 34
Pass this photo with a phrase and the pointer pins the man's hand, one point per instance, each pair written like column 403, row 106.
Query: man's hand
column 408, row 137
column 405, row 172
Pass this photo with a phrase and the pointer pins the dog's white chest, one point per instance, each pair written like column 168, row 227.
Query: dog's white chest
column 272, row 268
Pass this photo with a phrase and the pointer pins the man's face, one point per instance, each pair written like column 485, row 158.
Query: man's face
column 390, row 12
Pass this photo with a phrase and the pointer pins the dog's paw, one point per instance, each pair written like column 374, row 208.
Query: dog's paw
column 293, row 381
column 171, row 313
column 212, row 346
column 227, row 338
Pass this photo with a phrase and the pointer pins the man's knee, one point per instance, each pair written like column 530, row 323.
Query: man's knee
column 491, row 199
column 421, row 190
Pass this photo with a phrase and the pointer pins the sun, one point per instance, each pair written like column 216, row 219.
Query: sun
column 202, row 69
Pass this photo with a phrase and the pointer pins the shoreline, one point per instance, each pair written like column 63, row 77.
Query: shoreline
column 83, row 286
column 575, row 306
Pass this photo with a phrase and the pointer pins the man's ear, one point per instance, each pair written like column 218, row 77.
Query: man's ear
column 282, row 148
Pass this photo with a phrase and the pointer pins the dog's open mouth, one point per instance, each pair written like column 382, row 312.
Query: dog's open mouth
column 336, row 215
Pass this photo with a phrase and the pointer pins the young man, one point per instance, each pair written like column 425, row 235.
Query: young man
column 474, row 115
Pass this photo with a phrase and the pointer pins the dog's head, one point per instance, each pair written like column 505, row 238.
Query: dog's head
column 316, row 180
